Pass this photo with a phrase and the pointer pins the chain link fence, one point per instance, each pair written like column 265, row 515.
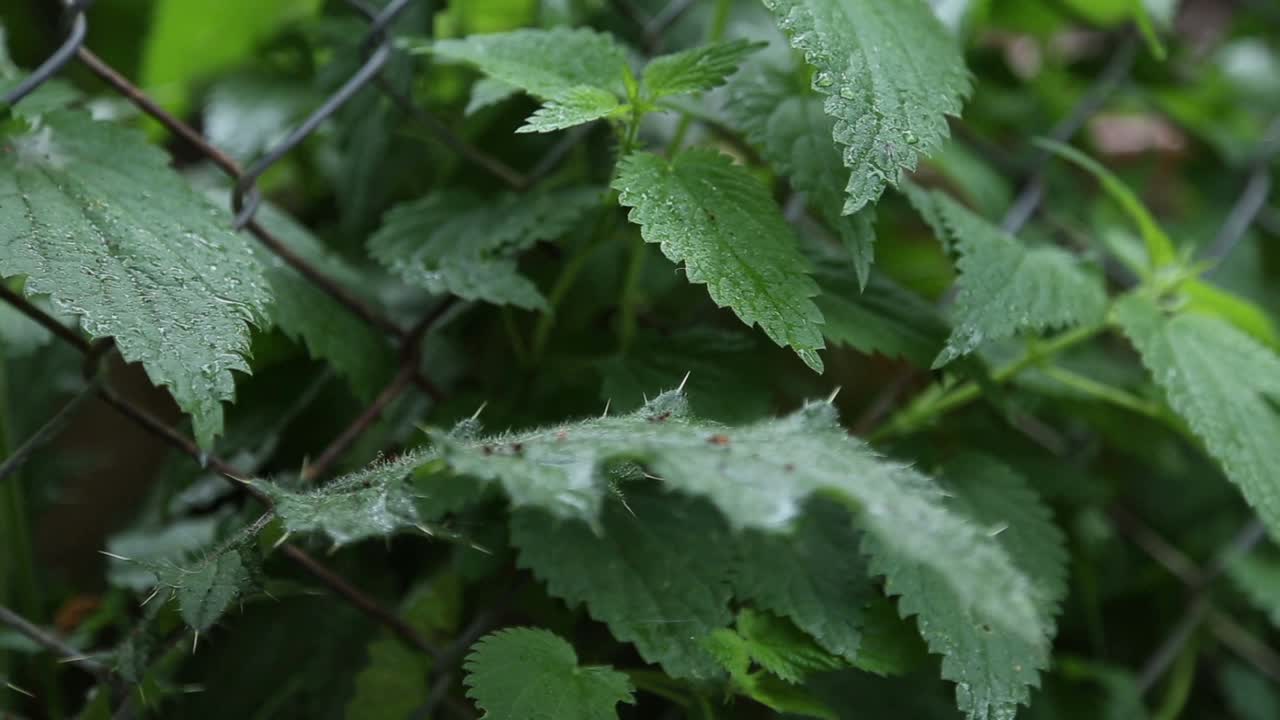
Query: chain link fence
column 378, row 48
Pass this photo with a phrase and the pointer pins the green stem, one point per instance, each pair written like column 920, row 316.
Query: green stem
column 513, row 335
column 938, row 401
column 719, row 23
column 569, row 274
column 630, row 293
column 1106, row 393
column 1181, row 678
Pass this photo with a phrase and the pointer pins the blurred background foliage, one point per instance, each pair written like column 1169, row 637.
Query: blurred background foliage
column 1137, row 501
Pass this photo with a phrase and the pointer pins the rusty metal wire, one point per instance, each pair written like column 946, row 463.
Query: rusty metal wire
column 378, row 48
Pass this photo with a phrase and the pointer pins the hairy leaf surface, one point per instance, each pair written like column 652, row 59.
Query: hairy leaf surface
column 719, row 221
column 374, row 502
column 93, row 216
column 993, row 671
column 532, row 674
column 891, row 73
column 760, row 477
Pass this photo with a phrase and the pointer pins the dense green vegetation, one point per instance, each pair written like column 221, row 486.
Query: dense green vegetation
column 590, row 359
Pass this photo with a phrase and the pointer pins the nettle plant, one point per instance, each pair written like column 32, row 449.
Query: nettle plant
column 606, row 474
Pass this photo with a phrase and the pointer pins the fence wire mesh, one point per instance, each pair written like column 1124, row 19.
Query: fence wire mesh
column 378, row 48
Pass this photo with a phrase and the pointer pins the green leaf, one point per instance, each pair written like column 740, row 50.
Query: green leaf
column 785, row 650
column 305, row 313
column 883, row 318
column 657, row 574
column 374, row 502
column 993, row 671
column 1223, row 383
column 695, row 70
column 810, row 577
column 1245, row 315
column 487, row 92
column 760, row 477
column 466, row 244
column 791, row 130
column 392, row 686
column 574, row 106
column 204, row 592
column 1160, row 249
column 1006, row 287
column 207, row 592
column 779, row 647
column 544, row 63
column 96, row 219
column 533, row 674
column 891, row 73
column 394, row 683
column 146, row 548
column 718, row 220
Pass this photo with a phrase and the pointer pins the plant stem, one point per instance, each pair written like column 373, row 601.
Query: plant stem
column 569, row 274
column 938, row 400
column 1179, row 688
column 630, row 291
column 1106, row 393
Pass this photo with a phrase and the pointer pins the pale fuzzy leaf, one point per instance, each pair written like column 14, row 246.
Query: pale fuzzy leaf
column 718, row 220
column 374, row 502
column 993, row 670
column 533, row 674
column 209, row 590
column 466, row 244
column 206, row 589
column 760, row 477
column 1224, row 384
column 891, row 73
column 94, row 217
column 695, row 70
